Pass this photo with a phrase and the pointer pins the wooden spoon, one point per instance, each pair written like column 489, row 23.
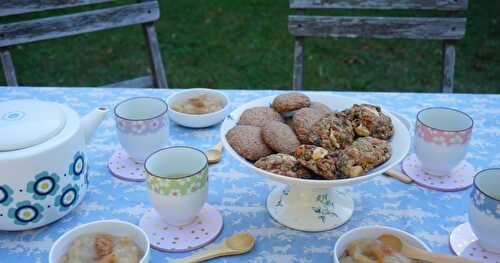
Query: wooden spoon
column 399, row 175
column 410, row 251
column 214, row 154
column 394, row 173
column 236, row 244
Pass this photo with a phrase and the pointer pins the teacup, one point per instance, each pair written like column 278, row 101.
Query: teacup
column 142, row 126
column 484, row 209
column 177, row 182
column 442, row 137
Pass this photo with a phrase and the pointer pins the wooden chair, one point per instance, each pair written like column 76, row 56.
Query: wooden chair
column 449, row 28
column 144, row 12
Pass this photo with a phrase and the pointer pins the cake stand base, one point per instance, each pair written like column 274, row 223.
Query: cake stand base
column 310, row 210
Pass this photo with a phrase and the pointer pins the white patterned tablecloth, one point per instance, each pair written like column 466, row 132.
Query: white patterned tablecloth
column 240, row 194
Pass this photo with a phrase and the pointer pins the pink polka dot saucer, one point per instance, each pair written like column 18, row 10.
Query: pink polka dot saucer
column 459, row 179
column 169, row 238
column 122, row 166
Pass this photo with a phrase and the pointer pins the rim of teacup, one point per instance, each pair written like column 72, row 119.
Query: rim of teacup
column 445, row 108
column 479, row 189
column 142, row 119
column 172, row 147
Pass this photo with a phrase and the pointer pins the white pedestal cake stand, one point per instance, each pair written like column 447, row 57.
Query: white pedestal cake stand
column 314, row 205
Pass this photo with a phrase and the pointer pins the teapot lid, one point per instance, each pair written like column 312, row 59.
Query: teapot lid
column 26, row 123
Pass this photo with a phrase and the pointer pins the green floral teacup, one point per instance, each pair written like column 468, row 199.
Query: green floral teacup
column 177, row 182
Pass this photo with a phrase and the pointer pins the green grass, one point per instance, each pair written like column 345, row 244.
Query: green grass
column 246, row 44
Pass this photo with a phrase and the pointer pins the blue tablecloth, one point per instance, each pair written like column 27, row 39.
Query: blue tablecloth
column 240, row 194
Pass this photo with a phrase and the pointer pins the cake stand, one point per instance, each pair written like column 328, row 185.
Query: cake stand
column 316, row 205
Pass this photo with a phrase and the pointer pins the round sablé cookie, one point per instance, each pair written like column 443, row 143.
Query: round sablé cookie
column 280, row 137
column 320, row 107
column 259, row 116
column 247, row 141
column 290, row 101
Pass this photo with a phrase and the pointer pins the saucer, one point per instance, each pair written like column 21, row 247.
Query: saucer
column 169, row 238
column 459, row 179
column 464, row 243
column 122, row 166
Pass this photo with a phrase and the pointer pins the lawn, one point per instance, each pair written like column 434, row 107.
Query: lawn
column 245, row 44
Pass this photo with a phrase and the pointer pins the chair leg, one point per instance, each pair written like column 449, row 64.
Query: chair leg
column 448, row 66
column 298, row 63
column 157, row 66
column 8, row 67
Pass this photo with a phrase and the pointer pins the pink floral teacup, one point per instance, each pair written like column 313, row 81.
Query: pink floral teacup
column 442, row 137
column 142, row 126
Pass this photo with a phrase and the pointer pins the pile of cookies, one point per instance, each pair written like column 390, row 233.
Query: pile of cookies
column 299, row 138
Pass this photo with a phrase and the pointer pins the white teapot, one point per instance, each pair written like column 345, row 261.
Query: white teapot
column 43, row 166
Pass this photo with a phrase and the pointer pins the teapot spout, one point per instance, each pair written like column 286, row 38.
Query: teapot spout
column 91, row 121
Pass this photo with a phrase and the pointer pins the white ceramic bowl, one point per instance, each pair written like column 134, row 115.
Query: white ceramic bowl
column 113, row 227
column 373, row 232
column 312, row 205
column 197, row 121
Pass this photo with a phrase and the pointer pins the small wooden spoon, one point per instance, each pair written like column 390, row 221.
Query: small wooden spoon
column 214, row 154
column 399, row 175
column 236, row 244
column 410, row 251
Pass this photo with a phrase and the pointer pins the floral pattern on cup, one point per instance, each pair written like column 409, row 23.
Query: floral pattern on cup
column 45, row 184
column 178, row 187
column 140, row 127
column 25, row 213
column 68, row 197
column 77, row 167
column 486, row 204
column 6, row 195
column 441, row 137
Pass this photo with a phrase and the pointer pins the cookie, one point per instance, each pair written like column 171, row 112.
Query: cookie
column 320, row 107
column 364, row 154
column 283, row 164
column 333, row 132
column 303, row 120
column 259, row 116
column 290, row 101
column 280, row 137
column 368, row 120
column 318, row 160
column 247, row 141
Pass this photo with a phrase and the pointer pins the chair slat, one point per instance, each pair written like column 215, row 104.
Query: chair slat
column 443, row 5
column 14, row 7
column 377, row 27
column 67, row 25
column 8, row 67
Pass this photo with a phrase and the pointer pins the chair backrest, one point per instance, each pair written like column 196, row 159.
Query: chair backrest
column 448, row 28
column 20, row 32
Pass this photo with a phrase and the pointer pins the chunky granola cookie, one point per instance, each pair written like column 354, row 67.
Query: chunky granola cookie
column 290, row 101
column 333, row 132
column 259, row 116
column 247, row 142
column 280, row 137
column 303, row 120
column 283, row 164
column 364, row 154
column 318, row 160
column 368, row 120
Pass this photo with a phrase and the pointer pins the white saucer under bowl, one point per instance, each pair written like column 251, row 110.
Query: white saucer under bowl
column 313, row 205
column 465, row 244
